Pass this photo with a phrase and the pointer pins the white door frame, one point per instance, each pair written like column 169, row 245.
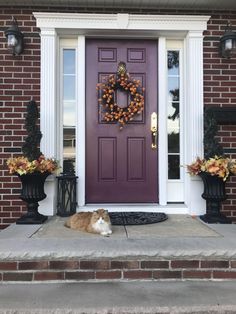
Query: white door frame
column 162, row 27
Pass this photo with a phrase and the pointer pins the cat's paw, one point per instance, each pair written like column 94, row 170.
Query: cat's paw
column 109, row 232
column 105, row 234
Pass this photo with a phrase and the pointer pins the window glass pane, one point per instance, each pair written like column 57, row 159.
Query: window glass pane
column 173, row 62
column 68, row 150
column 173, row 88
column 69, row 113
column 69, row 87
column 173, row 128
column 173, row 142
column 173, row 167
column 173, row 115
column 69, row 61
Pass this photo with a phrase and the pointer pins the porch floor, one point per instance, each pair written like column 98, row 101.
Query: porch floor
column 179, row 236
column 180, row 248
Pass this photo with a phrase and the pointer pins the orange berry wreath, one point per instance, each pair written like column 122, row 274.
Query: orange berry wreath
column 112, row 111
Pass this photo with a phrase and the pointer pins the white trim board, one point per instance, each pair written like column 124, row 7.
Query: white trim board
column 163, row 27
column 122, row 21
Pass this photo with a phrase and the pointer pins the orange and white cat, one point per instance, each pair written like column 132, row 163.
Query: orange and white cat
column 93, row 222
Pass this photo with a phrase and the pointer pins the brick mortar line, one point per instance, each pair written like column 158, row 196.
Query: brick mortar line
column 116, row 269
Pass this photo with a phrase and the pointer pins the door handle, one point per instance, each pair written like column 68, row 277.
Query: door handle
column 154, row 130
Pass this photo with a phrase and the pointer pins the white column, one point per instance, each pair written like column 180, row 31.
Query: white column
column 80, row 145
column 194, row 117
column 162, row 128
column 48, row 92
column 194, row 95
column 48, row 116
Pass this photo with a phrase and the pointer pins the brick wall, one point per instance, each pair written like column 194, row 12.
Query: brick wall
column 116, row 270
column 20, row 82
column 220, row 90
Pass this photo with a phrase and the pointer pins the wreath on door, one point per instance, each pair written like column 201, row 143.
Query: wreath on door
column 121, row 81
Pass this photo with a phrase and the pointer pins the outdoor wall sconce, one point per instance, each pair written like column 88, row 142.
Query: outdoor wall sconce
column 14, row 37
column 228, row 42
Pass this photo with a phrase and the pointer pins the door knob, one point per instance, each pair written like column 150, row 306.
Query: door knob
column 154, row 130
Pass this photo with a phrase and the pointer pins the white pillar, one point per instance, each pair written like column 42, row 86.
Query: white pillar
column 48, row 118
column 194, row 117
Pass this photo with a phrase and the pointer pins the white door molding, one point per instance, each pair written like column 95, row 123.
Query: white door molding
column 162, row 27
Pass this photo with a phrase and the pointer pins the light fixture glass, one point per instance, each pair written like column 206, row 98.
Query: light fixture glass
column 11, row 40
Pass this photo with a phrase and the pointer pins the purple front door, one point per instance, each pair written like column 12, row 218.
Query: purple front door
column 121, row 166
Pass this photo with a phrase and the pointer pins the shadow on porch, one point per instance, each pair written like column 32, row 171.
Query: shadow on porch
column 179, row 248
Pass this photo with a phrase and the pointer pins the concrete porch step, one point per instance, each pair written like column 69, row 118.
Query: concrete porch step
column 53, row 253
column 124, row 298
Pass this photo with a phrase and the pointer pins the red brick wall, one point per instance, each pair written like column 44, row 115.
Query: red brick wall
column 115, row 270
column 220, row 90
column 20, row 82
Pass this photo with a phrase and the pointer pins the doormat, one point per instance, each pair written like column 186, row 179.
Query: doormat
column 136, row 218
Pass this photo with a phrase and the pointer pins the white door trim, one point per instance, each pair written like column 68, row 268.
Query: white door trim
column 162, row 27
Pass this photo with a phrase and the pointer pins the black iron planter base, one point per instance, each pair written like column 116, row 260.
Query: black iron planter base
column 217, row 219
column 214, row 193
column 32, row 192
column 28, row 219
column 32, row 216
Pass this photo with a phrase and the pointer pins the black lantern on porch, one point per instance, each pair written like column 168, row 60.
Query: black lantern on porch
column 228, row 42
column 66, row 194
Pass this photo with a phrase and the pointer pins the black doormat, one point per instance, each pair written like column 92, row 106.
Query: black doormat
column 136, row 218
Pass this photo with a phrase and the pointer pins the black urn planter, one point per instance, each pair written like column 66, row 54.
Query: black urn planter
column 32, row 192
column 214, row 193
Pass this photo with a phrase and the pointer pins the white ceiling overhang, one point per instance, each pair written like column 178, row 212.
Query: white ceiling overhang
column 130, row 4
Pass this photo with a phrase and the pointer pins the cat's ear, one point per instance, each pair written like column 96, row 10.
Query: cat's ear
column 106, row 211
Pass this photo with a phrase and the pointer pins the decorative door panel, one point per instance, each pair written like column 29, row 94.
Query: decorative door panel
column 121, row 166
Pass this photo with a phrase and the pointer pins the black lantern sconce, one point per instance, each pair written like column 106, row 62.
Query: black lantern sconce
column 66, row 194
column 14, row 37
column 228, row 42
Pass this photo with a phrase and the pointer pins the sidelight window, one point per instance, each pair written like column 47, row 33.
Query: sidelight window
column 68, row 95
column 173, row 114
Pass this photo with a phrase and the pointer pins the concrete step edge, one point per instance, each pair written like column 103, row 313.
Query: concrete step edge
column 219, row 309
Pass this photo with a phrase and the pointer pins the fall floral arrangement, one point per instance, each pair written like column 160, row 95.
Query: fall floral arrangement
column 22, row 165
column 216, row 166
column 32, row 160
column 112, row 111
